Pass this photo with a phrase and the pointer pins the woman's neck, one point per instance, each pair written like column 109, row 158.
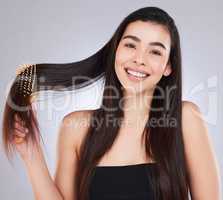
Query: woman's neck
column 137, row 106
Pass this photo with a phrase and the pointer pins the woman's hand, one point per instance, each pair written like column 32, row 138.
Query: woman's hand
column 22, row 142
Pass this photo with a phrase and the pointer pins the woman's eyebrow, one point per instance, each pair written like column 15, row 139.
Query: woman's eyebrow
column 138, row 40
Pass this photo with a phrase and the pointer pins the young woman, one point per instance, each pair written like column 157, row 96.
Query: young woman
column 142, row 143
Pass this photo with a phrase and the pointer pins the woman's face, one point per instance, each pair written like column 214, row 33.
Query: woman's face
column 144, row 47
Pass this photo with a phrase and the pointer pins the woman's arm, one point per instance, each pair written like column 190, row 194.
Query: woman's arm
column 201, row 161
column 69, row 139
column 42, row 184
column 71, row 134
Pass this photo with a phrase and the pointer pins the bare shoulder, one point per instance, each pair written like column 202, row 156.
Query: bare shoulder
column 75, row 126
column 77, row 116
column 193, row 123
column 193, row 120
column 189, row 106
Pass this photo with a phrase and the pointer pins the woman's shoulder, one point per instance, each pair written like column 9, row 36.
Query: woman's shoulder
column 75, row 125
column 76, row 115
column 191, row 115
column 194, row 126
column 189, row 106
column 78, row 121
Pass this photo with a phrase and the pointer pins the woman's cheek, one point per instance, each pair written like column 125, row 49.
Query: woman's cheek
column 123, row 55
column 157, row 66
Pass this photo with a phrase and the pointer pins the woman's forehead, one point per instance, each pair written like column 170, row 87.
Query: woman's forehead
column 148, row 32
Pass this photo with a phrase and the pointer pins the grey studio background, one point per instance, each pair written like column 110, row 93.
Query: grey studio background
column 67, row 31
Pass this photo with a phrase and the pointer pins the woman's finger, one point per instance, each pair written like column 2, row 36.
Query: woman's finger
column 21, row 128
column 19, row 133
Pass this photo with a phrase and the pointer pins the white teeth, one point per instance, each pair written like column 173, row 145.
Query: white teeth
column 137, row 74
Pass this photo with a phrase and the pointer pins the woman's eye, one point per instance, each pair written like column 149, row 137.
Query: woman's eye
column 156, row 53
column 129, row 45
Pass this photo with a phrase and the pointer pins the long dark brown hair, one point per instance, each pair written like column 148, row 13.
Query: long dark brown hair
column 163, row 143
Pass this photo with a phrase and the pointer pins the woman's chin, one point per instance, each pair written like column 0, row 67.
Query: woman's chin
column 134, row 90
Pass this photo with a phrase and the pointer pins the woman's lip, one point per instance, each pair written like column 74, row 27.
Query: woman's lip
column 136, row 70
column 134, row 78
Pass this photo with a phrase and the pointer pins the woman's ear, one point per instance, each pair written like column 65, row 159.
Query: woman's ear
column 168, row 69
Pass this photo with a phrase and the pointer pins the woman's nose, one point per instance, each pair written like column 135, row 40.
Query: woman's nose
column 139, row 58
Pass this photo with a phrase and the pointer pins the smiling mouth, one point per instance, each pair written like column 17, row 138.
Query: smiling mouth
column 136, row 75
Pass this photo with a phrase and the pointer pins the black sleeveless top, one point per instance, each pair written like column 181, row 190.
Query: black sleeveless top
column 129, row 182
